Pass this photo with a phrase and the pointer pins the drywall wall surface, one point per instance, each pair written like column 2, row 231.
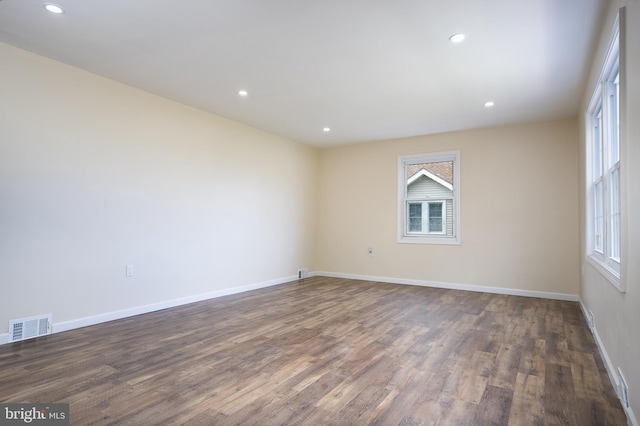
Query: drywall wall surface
column 518, row 220
column 96, row 175
column 616, row 313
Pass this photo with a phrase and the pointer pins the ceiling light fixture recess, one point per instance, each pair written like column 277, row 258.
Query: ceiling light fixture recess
column 456, row 38
column 54, row 8
column 489, row 104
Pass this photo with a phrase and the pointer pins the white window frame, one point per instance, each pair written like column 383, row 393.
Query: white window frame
column 404, row 236
column 603, row 233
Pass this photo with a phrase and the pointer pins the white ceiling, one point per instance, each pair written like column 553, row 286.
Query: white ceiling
column 368, row 69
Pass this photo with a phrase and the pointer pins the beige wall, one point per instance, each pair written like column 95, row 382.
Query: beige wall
column 617, row 315
column 519, row 210
column 95, row 175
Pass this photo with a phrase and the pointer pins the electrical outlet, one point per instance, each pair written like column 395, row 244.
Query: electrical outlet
column 370, row 251
column 129, row 270
column 591, row 322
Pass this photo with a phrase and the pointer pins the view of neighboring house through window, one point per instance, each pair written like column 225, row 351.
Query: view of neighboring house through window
column 428, row 207
column 603, row 168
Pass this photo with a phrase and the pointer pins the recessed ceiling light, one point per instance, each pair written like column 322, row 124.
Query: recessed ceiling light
column 326, row 129
column 489, row 104
column 456, row 38
column 243, row 92
column 54, row 8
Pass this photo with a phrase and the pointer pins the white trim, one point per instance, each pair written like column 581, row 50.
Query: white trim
column 613, row 50
column 129, row 312
column 611, row 371
column 452, row 286
column 605, row 356
column 606, row 272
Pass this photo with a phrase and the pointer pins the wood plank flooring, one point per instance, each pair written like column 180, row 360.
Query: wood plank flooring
column 325, row 351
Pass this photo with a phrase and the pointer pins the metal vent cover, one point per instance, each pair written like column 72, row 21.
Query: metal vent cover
column 27, row 328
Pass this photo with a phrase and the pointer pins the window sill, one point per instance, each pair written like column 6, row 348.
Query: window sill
column 611, row 275
column 428, row 240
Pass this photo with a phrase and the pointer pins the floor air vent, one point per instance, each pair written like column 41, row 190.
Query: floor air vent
column 27, row 328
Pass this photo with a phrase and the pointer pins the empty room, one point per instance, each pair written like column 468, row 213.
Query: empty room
column 333, row 212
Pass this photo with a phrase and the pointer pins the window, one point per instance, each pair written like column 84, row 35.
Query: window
column 433, row 221
column 428, row 191
column 603, row 168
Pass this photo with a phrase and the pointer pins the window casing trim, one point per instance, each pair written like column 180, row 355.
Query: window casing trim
column 403, row 200
column 604, row 178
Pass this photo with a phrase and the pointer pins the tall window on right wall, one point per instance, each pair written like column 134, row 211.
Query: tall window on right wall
column 603, row 166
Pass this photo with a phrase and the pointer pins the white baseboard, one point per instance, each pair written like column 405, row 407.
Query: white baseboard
column 608, row 365
column 464, row 287
column 110, row 316
column 124, row 313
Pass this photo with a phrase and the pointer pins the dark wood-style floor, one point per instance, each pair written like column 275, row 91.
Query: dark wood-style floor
column 325, row 351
